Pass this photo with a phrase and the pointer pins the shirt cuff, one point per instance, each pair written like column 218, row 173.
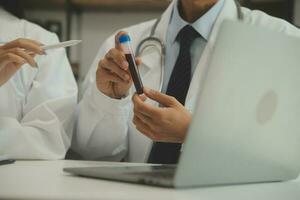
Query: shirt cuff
column 108, row 104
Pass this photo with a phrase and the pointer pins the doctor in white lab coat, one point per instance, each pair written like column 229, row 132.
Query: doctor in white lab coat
column 38, row 93
column 107, row 124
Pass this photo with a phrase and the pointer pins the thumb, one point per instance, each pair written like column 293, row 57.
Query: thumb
column 161, row 98
column 117, row 43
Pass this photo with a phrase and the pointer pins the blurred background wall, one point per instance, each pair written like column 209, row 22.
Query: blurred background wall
column 297, row 12
column 90, row 20
column 93, row 28
column 94, row 20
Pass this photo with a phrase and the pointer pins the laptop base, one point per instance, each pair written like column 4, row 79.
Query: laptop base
column 161, row 176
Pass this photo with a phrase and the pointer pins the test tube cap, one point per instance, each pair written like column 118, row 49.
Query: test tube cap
column 124, row 38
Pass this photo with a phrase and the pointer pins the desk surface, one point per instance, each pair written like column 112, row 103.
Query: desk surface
column 46, row 180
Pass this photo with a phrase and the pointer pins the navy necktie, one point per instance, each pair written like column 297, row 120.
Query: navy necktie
column 168, row 153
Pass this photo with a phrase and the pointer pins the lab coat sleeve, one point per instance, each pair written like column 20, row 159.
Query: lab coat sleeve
column 44, row 132
column 102, row 122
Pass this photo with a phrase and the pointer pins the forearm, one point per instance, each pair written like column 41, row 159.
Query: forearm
column 102, row 126
column 33, row 140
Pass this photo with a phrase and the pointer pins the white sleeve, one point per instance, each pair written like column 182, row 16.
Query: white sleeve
column 102, row 122
column 44, row 132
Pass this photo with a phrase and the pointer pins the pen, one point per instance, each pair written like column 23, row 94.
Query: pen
column 58, row 45
column 61, row 44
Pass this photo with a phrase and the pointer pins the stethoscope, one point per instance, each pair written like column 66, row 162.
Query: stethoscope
column 152, row 41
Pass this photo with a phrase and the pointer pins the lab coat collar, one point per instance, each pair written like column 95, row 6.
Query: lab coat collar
column 151, row 59
column 161, row 30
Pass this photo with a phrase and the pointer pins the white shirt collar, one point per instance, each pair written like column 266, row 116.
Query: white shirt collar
column 203, row 25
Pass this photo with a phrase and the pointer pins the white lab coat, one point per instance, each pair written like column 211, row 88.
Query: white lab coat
column 105, row 129
column 36, row 105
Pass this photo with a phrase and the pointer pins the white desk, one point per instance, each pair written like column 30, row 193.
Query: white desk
column 45, row 180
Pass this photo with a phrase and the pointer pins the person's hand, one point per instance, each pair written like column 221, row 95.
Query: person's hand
column 113, row 77
column 161, row 124
column 16, row 53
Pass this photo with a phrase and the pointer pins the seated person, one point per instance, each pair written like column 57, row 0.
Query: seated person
column 38, row 92
column 111, row 126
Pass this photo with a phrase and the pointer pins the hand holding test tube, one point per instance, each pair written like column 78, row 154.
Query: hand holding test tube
column 115, row 73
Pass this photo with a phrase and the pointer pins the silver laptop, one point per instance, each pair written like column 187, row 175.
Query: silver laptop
column 246, row 126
